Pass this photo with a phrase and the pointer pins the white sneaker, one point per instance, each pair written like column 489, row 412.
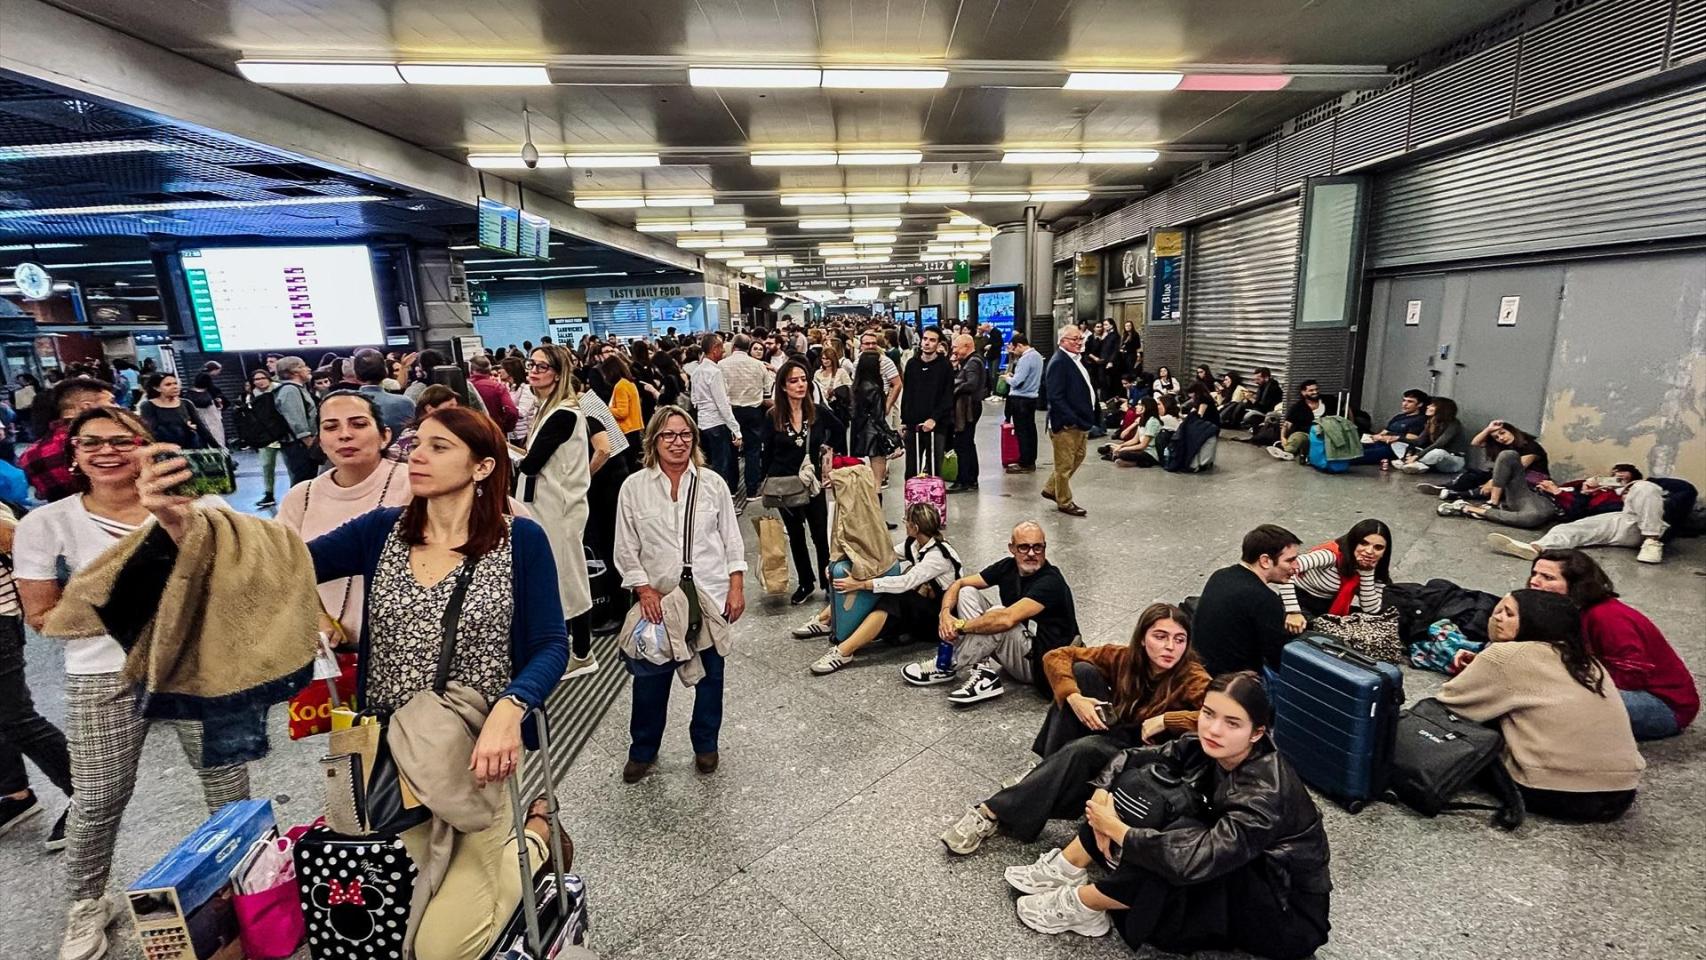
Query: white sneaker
column 1510, row 546
column 1652, row 551
column 1433, row 490
column 985, row 684
column 1414, row 466
column 1049, row 872
column 1279, row 453
column 972, row 829
column 580, row 666
column 830, row 662
column 812, row 628
column 924, row 674
column 1060, row 911
column 1453, row 508
column 86, row 929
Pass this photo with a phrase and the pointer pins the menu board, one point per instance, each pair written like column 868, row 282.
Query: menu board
column 282, row 298
column 535, row 236
column 500, row 226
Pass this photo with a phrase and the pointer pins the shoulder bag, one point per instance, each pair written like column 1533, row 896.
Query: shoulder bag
column 641, row 665
column 1374, row 635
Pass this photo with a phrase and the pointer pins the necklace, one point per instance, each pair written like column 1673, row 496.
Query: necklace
column 349, row 582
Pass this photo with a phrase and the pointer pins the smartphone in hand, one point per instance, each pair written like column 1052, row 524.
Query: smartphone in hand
column 211, row 472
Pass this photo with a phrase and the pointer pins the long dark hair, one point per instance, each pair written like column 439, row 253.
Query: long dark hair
column 780, row 414
column 1246, row 689
column 1348, row 545
column 1588, row 582
column 1445, row 414
column 1555, row 620
column 1148, row 409
column 486, row 527
column 1134, row 688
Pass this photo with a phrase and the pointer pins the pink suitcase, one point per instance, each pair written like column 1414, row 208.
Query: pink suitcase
column 931, row 490
column 1009, row 445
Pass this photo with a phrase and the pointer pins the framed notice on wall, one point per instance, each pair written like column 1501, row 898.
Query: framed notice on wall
column 1167, row 276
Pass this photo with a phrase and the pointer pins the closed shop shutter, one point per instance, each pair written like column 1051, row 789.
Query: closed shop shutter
column 1240, row 282
column 515, row 312
column 1627, row 174
column 624, row 318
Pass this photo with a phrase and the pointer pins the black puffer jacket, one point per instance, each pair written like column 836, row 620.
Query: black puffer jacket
column 1261, row 810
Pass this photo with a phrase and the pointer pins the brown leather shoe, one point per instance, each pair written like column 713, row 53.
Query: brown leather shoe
column 1074, row 510
column 634, row 771
column 1048, row 494
column 706, row 762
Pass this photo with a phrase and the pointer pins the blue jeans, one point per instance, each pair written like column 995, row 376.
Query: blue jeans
column 651, row 710
column 720, row 454
column 1651, row 718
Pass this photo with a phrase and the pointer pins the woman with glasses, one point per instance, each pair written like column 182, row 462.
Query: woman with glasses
column 794, row 438
column 564, row 447
column 104, row 728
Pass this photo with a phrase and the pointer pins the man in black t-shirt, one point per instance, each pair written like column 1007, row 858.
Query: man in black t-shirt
column 1036, row 614
column 1240, row 622
column 1299, row 417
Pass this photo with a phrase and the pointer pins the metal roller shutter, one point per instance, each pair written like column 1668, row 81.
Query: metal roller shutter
column 624, row 318
column 1240, row 283
column 515, row 312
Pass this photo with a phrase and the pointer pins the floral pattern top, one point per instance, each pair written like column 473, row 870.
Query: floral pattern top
column 404, row 635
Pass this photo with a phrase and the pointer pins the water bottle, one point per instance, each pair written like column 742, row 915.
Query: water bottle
column 944, row 657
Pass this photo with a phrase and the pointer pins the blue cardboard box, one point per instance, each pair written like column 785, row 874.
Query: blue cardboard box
column 199, row 866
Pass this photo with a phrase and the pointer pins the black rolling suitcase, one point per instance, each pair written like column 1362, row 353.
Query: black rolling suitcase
column 1335, row 718
column 552, row 915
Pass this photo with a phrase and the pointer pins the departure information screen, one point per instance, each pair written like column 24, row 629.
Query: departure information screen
column 499, row 227
column 283, row 298
column 535, row 237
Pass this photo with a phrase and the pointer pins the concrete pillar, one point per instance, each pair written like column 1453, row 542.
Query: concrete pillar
column 1007, row 264
column 442, row 297
column 946, row 296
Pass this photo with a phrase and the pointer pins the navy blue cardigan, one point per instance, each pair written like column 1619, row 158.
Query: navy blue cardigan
column 538, row 638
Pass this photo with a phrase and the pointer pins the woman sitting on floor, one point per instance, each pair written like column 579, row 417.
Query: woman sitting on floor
column 1341, row 576
column 1443, row 448
column 1247, row 872
column 909, row 604
column 1106, row 698
column 1136, row 438
column 1568, row 741
column 1519, row 464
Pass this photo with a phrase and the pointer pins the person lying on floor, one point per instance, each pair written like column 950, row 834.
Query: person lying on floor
column 1341, row 576
column 908, row 604
column 1569, row 744
column 1245, row 871
column 1106, row 698
column 1622, row 510
column 1036, row 614
column 1656, row 686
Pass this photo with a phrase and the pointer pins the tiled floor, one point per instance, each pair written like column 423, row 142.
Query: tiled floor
column 817, row 838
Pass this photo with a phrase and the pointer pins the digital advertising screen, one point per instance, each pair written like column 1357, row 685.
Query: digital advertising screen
column 908, row 317
column 929, row 315
column 282, row 298
column 535, row 239
column 500, row 227
column 998, row 307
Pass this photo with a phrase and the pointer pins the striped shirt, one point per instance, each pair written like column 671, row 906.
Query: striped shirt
column 1318, row 575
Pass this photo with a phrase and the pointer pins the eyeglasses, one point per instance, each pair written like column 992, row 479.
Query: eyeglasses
column 673, row 436
column 533, row 365
column 92, row 443
column 1035, row 548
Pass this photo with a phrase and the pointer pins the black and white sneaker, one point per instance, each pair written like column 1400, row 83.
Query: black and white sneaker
column 812, row 629
column 56, row 838
column 984, row 684
column 924, row 674
column 14, row 811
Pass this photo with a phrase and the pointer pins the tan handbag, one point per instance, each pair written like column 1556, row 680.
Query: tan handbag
column 772, row 554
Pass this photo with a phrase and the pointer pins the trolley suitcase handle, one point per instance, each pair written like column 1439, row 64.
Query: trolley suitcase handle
column 553, row 842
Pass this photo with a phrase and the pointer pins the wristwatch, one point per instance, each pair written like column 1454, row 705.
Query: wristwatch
column 512, row 698
column 960, row 626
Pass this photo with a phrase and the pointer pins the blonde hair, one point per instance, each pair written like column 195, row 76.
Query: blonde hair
column 563, row 393
column 655, row 427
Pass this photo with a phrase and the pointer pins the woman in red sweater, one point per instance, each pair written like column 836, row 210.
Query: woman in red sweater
column 1656, row 686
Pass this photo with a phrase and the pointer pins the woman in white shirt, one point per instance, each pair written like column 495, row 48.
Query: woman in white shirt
column 910, row 603
column 650, row 514
column 1165, row 383
column 103, row 725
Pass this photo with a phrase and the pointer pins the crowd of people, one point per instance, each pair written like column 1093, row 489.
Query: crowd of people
column 519, row 504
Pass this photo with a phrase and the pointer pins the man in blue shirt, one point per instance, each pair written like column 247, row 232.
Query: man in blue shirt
column 1405, row 428
column 1024, row 382
column 370, row 369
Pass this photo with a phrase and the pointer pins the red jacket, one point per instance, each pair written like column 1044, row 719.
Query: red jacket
column 498, row 401
column 1639, row 657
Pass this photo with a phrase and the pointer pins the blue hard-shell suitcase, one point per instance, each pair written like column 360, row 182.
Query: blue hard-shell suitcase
column 846, row 611
column 1336, row 714
column 1318, row 454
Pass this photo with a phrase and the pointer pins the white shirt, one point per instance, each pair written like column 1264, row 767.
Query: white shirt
column 745, row 377
column 649, row 533
column 65, row 531
column 1078, row 361
column 711, row 398
column 931, row 567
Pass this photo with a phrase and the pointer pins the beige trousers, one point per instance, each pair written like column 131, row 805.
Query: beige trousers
column 481, row 889
column 1068, row 457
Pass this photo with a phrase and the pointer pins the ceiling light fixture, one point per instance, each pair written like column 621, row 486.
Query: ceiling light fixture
column 884, row 78
column 938, row 196
column 840, row 261
column 1060, row 196
column 1042, row 156
column 819, row 223
column 476, row 74
column 318, row 72
column 663, row 226
column 1152, row 81
column 86, row 148
column 114, row 208
column 25, row 247
column 714, row 226
column 964, row 220
column 873, row 238
column 812, row 199
column 598, row 161
column 609, row 203
column 1235, row 82
column 533, row 269
column 878, row 158
column 774, row 77
column 880, row 223
column 874, row 199
column 807, row 158
column 679, row 201
column 724, row 254
column 1120, row 156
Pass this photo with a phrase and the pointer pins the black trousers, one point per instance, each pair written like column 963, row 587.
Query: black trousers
column 751, row 421
column 815, row 514
column 1596, row 807
column 23, row 731
column 965, row 450
column 1061, row 726
column 924, row 451
column 1241, row 910
column 1022, row 411
column 609, row 599
column 1057, row 788
column 911, row 614
column 298, row 461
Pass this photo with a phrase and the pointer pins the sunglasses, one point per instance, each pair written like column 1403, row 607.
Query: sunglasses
column 92, row 444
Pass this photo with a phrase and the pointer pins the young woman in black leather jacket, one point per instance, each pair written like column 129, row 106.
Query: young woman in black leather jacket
column 1242, row 866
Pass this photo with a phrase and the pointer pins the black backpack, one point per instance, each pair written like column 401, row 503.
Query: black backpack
column 1436, row 754
column 260, row 423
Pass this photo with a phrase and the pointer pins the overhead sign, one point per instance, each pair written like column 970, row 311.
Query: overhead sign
column 1125, row 266
column 1167, row 278
column 662, row 290
column 916, row 274
column 33, row 281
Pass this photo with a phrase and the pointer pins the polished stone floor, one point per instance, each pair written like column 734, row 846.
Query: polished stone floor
column 817, row 838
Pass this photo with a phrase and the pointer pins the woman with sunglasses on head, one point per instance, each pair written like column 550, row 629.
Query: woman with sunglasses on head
column 104, row 728
column 794, row 438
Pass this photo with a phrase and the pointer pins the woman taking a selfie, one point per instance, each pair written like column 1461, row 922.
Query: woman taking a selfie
column 452, row 543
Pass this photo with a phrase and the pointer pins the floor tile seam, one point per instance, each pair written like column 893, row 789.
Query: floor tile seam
column 842, row 706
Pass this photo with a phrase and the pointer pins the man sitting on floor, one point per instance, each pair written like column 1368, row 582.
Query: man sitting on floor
column 1036, row 614
column 1623, row 510
column 1240, row 621
column 1405, row 428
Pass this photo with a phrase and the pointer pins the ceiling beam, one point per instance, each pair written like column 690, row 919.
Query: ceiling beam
column 116, row 67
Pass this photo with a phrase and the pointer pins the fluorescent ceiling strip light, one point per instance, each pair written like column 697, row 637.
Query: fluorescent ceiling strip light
column 85, row 148
column 772, row 77
column 1235, row 82
column 964, row 220
column 591, row 161
column 1063, row 196
column 999, row 197
column 880, row 223
column 1120, row 156
column 819, row 223
column 753, row 271
column 877, row 158
column 873, row 238
column 318, row 72
column 725, row 254
column 476, row 74
column 749, row 262
column 813, row 199
column 1142, row 81
column 465, row 246
column 840, row 261
column 959, row 235
column 679, row 201
column 873, row 199
column 883, row 78
column 663, row 226
column 1042, row 156
column 26, row 247
column 846, row 251
column 609, row 203
column 811, row 158
column 699, row 243
column 513, row 161
column 101, row 263
column 545, row 266
column 938, row 196
column 112, row 208
column 566, row 276
column 714, row 226
column 501, row 260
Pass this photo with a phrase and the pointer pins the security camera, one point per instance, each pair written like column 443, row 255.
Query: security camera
column 530, row 155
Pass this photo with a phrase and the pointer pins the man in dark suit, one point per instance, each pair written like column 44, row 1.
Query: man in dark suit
column 1071, row 414
column 1108, row 358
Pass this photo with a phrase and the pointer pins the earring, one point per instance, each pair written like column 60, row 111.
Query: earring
column 479, row 489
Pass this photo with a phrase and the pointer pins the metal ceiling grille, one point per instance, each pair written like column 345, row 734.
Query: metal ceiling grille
column 1240, row 283
column 1468, row 94
column 1601, row 45
column 1374, row 129
column 1626, row 174
column 1688, row 36
column 1305, row 154
column 1254, row 174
